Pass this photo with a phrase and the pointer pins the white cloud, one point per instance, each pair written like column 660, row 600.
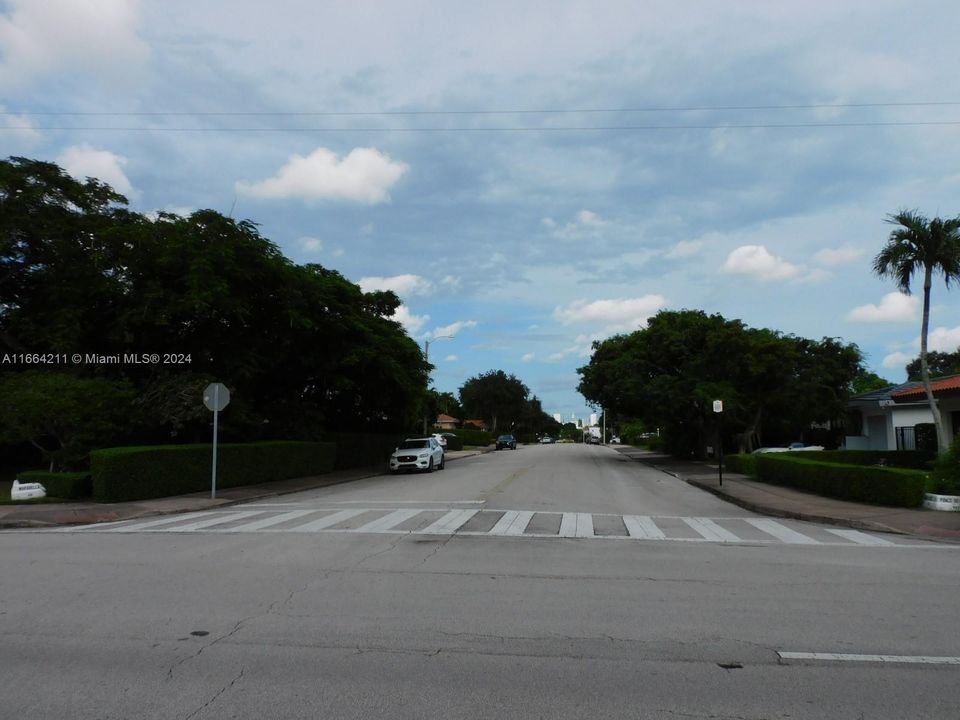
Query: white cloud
column 364, row 175
column 451, row 281
column 451, row 358
column 83, row 161
column 400, row 284
column 453, row 328
column 897, row 360
column 756, row 260
column 527, row 357
column 582, row 347
column 586, row 224
column 894, row 307
column 311, row 245
column 942, row 339
column 620, row 314
column 42, row 37
column 837, row 256
column 18, row 128
column 684, row 249
column 411, row 323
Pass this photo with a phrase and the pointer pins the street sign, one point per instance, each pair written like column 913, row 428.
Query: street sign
column 718, row 406
column 216, row 397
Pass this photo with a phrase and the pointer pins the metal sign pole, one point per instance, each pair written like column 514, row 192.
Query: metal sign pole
column 216, row 417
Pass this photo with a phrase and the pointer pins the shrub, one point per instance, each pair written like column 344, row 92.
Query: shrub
column 474, row 437
column 915, row 459
column 363, row 449
column 895, row 487
column 138, row 473
column 64, row 485
column 945, row 478
column 454, row 443
column 742, row 463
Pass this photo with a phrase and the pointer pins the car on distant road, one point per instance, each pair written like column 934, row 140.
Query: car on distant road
column 506, row 441
column 423, row 454
column 547, row 440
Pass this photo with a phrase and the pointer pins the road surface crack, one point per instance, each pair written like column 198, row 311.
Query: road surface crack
column 220, row 692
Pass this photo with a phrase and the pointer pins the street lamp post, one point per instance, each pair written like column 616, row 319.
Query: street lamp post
column 426, row 357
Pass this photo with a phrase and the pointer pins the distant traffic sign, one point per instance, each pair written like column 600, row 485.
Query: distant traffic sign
column 216, row 397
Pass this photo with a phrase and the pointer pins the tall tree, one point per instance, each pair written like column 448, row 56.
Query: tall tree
column 498, row 398
column 928, row 246
column 939, row 364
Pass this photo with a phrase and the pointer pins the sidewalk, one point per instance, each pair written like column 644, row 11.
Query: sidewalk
column 81, row 513
column 789, row 503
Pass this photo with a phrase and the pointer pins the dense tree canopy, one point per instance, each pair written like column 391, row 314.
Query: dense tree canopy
column 301, row 347
column 939, row 363
column 667, row 375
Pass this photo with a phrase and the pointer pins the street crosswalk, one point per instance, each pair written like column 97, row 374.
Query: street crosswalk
column 481, row 522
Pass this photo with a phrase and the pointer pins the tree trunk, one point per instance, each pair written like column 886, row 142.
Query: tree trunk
column 943, row 442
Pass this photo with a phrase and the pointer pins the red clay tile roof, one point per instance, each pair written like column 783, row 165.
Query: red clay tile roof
column 939, row 386
column 441, row 418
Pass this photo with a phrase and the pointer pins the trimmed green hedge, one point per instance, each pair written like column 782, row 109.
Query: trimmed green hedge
column 65, row 485
column 480, row 438
column 454, row 443
column 741, row 463
column 894, row 487
column 139, row 473
column 363, row 449
column 914, row 459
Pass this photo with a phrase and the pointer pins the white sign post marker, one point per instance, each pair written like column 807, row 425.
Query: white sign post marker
column 718, row 409
column 216, row 397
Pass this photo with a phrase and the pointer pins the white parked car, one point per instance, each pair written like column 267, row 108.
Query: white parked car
column 441, row 439
column 792, row 447
column 424, row 454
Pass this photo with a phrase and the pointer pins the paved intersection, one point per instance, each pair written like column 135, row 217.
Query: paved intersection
column 475, row 521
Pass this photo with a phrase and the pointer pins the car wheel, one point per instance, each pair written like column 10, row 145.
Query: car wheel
column 443, row 461
column 430, row 466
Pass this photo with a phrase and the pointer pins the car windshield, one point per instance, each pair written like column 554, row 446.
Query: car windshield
column 414, row 444
column 508, row 438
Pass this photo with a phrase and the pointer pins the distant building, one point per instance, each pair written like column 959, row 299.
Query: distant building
column 446, row 422
column 593, row 419
column 558, row 417
column 476, row 424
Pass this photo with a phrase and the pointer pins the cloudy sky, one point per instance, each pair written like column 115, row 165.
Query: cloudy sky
column 528, row 177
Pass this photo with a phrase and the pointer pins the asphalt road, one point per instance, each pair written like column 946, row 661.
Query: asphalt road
column 555, row 597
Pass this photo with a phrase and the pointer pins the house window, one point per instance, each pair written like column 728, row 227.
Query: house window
column 906, row 438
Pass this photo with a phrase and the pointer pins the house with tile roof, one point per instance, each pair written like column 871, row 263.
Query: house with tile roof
column 446, row 422
column 898, row 417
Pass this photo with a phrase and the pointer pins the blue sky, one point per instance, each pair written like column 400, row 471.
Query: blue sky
column 528, row 177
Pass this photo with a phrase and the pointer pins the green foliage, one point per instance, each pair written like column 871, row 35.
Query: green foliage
column 945, row 478
column 498, row 398
column 63, row 415
column 668, row 374
column 138, row 473
column 362, row 449
column 743, row 463
column 894, row 487
column 939, row 363
column 478, row 438
column 454, row 443
column 912, row 459
column 63, row 485
column 865, row 381
column 300, row 347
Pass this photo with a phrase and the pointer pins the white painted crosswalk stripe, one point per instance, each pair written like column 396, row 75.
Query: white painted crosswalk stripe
column 506, row 523
column 709, row 530
column 389, row 521
column 327, row 521
column 858, row 537
column 576, row 525
column 781, row 532
column 209, row 521
column 513, row 522
column 643, row 527
column 267, row 522
column 450, row 523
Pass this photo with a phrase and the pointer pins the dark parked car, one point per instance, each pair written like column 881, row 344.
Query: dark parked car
column 506, row 441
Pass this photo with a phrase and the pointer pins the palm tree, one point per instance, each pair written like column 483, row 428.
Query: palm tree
column 933, row 246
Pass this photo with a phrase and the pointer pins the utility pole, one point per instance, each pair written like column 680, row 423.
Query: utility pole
column 426, row 357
